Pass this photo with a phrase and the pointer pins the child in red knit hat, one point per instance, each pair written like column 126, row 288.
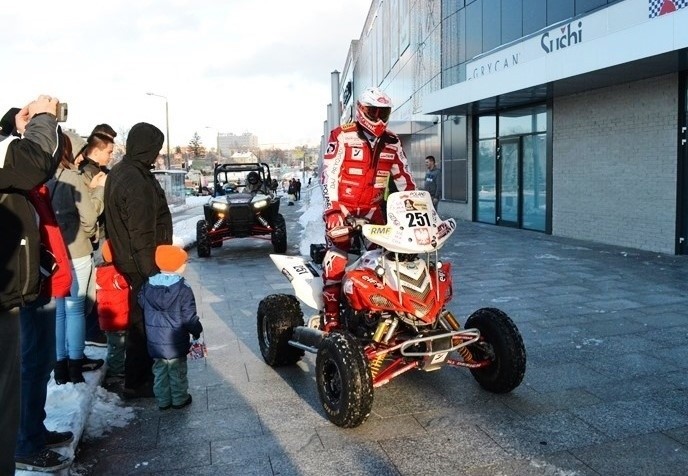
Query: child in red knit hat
column 112, row 298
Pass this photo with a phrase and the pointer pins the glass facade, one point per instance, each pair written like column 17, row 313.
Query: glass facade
column 511, row 168
column 472, row 28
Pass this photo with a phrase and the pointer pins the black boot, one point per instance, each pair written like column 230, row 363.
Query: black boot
column 61, row 374
column 75, row 375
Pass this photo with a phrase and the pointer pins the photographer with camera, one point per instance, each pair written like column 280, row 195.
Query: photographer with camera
column 25, row 163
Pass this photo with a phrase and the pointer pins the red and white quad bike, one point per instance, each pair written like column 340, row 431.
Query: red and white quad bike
column 393, row 316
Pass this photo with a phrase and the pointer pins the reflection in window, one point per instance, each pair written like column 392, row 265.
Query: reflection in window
column 486, row 181
column 534, row 182
column 523, row 121
column 487, row 126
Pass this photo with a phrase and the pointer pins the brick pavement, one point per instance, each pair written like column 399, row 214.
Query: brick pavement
column 605, row 390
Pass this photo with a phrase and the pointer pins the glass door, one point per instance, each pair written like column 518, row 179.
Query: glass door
column 508, row 178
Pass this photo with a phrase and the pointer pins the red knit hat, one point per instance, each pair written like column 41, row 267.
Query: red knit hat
column 170, row 257
column 107, row 252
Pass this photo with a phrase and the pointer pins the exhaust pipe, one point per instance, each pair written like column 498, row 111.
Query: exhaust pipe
column 307, row 338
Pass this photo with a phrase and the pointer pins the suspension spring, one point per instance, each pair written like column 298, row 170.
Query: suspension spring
column 376, row 365
column 454, row 324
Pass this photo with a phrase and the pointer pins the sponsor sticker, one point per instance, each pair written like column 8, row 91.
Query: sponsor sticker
column 422, row 236
column 381, row 179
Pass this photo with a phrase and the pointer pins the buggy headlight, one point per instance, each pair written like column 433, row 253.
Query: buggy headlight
column 220, row 206
column 260, row 204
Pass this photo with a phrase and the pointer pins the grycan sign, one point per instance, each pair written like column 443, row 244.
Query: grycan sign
column 551, row 41
column 560, row 38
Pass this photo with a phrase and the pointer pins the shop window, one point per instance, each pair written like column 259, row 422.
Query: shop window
column 558, row 10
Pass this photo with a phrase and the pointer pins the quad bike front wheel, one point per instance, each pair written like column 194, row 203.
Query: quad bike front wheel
column 278, row 315
column 344, row 382
column 279, row 235
column 501, row 343
column 202, row 239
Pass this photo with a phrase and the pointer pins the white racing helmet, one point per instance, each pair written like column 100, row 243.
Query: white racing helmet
column 372, row 111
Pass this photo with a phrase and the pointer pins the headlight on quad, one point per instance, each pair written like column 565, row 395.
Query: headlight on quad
column 220, row 206
column 260, row 204
column 380, row 301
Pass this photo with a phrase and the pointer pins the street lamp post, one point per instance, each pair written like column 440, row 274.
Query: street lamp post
column 167, row 127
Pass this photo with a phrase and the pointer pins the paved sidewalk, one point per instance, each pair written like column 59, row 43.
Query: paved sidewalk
column 605, row 390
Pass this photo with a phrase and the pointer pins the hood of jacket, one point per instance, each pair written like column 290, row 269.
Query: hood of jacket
column 162, row 290
column 144, row 143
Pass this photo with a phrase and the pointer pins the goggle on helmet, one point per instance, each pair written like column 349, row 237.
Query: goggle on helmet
column 373, row 109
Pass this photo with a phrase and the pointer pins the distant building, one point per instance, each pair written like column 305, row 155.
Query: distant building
column 243, row 158
column 230, row 142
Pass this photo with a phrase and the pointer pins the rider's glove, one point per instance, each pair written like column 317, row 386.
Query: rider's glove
column 337, row 231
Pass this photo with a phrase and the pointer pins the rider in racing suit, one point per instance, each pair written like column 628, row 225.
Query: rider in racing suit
column 360, row 159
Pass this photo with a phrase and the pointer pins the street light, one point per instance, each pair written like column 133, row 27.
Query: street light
column 167, row 126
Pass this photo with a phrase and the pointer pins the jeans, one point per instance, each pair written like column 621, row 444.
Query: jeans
column 70, row 326
column 38, row 359
column 171, row 385
column 10, row 381
column 116, row 350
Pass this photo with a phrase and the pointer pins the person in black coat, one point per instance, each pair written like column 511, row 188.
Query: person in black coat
column 137, row 220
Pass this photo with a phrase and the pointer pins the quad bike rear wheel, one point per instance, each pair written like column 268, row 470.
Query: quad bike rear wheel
column 279, row 235
column 278, row 315
column 344, row 382
column 501, row 343
column 202, row 239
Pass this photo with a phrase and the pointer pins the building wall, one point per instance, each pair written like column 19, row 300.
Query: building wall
column 400, row 51
column 614, row 164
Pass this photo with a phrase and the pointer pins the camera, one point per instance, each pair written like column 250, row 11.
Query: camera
column 62, row 111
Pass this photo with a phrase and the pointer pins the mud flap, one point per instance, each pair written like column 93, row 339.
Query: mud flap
column 303, row 276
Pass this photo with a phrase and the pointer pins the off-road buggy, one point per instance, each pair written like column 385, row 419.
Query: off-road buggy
column 242, row 206
column 393, row 315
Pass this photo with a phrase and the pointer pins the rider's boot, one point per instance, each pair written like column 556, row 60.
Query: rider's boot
column 331, row 295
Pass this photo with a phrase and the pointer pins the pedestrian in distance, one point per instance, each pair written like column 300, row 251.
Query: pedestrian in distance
column 30, row 148
column 169, row 310
column 112, row 302
column 137, row 220
column 354, row 181
column 433, row 180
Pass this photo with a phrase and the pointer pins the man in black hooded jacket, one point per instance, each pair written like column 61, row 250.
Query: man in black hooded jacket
column 24, row 164
column 137, row 220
